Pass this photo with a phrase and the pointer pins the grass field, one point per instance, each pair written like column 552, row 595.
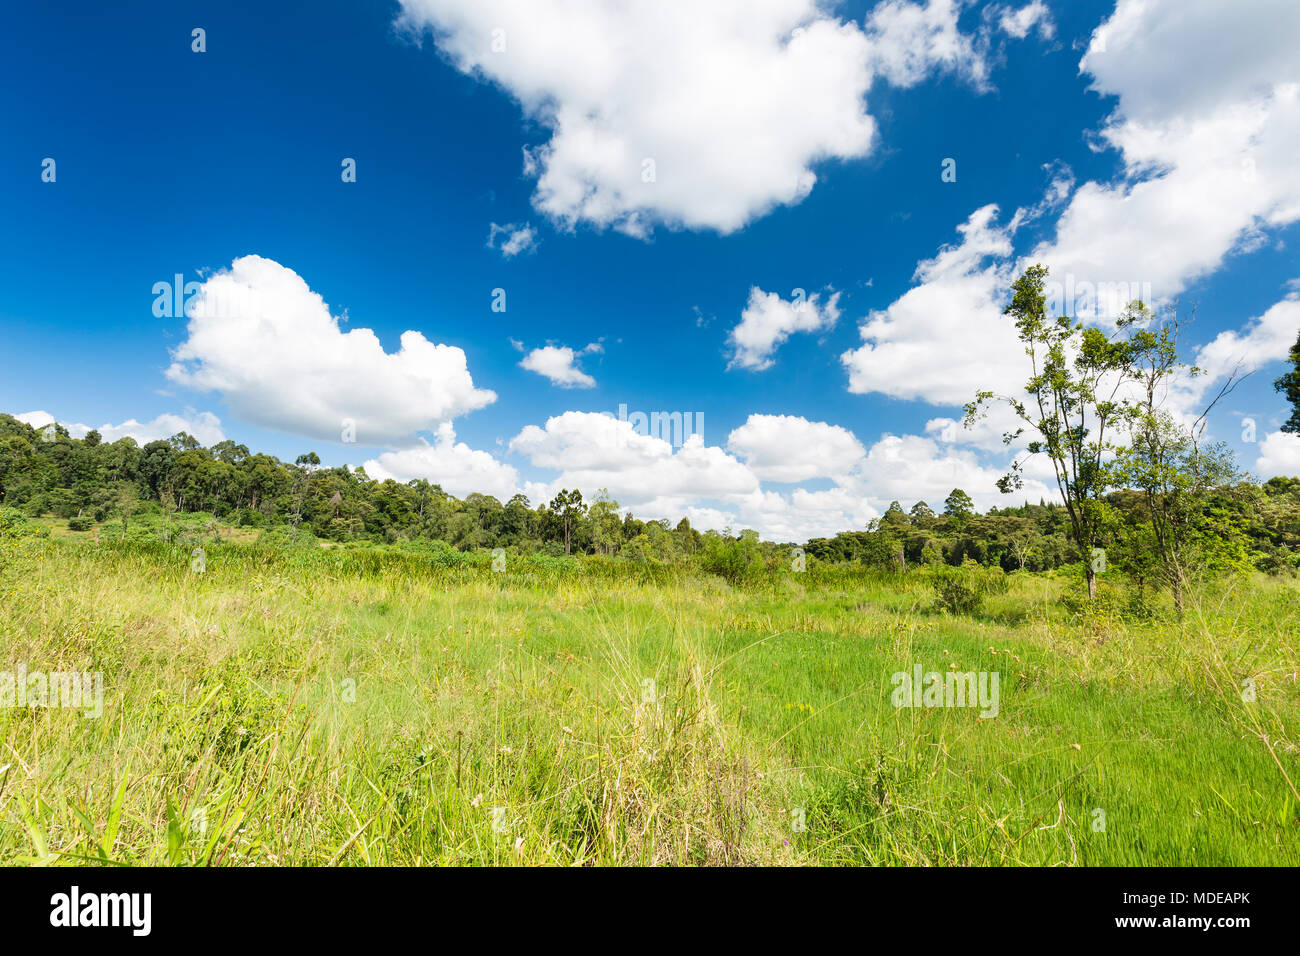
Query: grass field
column 354, row 707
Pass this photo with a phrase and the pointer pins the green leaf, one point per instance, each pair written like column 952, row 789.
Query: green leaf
column 115, row 815
column 175, row 834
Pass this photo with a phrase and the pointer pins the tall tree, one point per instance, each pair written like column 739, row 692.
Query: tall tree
column 307, row 465
column 1077, row 376
column 568, row 507
column 1165, row 458
column 959, row 507
column 606, row 525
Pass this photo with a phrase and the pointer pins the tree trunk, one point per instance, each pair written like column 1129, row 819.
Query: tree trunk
column 1091, row 575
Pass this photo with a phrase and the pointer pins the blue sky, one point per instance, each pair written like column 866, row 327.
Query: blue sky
column 174, row 161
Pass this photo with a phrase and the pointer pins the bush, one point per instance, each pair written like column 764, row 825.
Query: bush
column 81, row 523
column 1118, row 600
column 282, row 536
column 962, row 590
column 14, row 524
column 734, row 560
column 16, row 535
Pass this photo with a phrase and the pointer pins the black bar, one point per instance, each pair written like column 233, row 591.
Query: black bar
column 333, row 906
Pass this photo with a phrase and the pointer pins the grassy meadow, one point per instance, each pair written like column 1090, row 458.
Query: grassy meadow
column 333, row 706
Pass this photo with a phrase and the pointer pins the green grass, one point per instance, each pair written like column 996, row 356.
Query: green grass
column 358, row 707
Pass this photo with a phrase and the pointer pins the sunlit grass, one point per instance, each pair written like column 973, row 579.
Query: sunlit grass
column 350, row 707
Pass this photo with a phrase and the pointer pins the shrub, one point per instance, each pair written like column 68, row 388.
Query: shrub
column 282, row 536
column 81, row 523
column 735, row 560
column 1117, row 601
column 962, row 590
column 14, row 524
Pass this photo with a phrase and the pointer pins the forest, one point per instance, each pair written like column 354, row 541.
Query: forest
column 125, row 490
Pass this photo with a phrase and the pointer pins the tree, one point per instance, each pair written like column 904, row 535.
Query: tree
column 959, row 507
column 1165, row 458
column 895, row 518
column 606, row 525
column 128, row 502
column 688, row 539
column 307, row 464
column 884, row 549
column 568, row 507
column 1290, row 384
column 1073, row 407
column 516, row 519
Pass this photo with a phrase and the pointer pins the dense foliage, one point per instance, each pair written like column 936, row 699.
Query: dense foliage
column 173, row 489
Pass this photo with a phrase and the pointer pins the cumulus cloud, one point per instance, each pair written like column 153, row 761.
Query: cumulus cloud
column 787, row 448
column 1208, row 168
column 768, row 320
column 945, row 338
column 204, row 426
column 799, row 515
column 1208, row 154
column 270, row 347
column 1279, row 455
column 559, row 364
column 708, row 485
column 718, row 488
column 459, row 469
column 515, row 239
column 1266, row 338
column 592, row 450
column 701, row 116
column 911, row 468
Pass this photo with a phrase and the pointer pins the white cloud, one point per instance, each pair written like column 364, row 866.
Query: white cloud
column 459, row 469
column 557, row 363
column 518, row 239
column 768, row 320
column 1267, row 338
column 715, row 488
column 801, row 514
column 269, row 345
column 1279, row 455
column 910, row 40
column 204, row 426
column 1209, row 164
column 592, row 450
column 1140, row 53
column 911, row 468
column 788, row 448
column 946, row 338
column 1208, row 153
column 732, row 102
column 37, row 419
column 1233, row 354
column 1019, row 22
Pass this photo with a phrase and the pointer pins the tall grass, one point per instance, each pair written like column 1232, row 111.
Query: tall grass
column 349, row 706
